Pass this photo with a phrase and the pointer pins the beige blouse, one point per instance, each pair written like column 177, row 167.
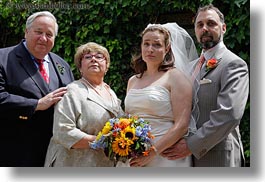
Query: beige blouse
column 80, row 111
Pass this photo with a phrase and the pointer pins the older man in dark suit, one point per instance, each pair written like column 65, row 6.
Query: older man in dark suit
column 32, row 80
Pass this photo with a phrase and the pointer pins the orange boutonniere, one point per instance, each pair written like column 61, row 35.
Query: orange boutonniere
column 211, row 64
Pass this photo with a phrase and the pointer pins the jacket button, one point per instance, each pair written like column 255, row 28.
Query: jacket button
column 23, row 117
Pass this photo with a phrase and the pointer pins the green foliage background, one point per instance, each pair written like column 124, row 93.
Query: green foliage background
column 117, row 25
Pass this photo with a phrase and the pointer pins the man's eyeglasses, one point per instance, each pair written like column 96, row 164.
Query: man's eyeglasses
column 98, row 57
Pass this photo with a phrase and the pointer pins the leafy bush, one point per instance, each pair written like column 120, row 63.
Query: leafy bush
column 117, row 25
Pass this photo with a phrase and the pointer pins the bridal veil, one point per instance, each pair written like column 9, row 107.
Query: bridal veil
column 184, row 51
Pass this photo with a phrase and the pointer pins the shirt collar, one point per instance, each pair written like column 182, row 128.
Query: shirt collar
column 210, row 53
column 46, row 57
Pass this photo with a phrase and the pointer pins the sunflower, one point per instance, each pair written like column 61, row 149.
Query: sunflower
column 121, row 146
column 129, row 132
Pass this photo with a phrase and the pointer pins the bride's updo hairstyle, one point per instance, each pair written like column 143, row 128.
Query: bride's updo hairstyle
column 138, row 63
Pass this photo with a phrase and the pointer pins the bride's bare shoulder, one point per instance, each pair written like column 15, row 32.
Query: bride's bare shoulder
column 175, row 71
column 176, row 74
column 133, row 78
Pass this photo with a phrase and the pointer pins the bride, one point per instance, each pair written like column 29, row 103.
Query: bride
column 161, row 91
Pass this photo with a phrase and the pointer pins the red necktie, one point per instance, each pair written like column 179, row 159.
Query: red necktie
column 43, row 70
column 198, row 67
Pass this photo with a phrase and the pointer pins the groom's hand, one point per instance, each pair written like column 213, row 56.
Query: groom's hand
column 177, row 151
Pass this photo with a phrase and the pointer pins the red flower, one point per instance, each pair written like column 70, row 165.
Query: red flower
column 211, row 64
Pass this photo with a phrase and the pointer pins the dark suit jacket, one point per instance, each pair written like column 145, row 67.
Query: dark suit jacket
column 25, row 134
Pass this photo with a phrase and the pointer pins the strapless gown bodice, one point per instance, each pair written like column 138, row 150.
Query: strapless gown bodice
column 153, row 104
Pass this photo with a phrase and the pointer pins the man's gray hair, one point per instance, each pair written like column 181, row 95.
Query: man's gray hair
column 32, row 17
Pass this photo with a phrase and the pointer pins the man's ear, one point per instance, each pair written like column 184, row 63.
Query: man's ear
column 25, row 33
column 224, row 28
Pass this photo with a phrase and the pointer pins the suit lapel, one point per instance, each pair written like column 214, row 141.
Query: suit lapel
column 203, row 71
column 27, row 63
column 218, row 56
column 59, row 69
column 99, row 100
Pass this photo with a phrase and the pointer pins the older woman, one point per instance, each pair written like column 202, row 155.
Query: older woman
column 83, row 111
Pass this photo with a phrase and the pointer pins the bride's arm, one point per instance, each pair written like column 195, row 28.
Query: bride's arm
column 181, row 101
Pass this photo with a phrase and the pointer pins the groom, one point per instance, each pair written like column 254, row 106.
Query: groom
column 222, row 95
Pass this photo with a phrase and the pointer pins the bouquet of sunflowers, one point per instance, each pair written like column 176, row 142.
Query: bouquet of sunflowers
column 123, row 138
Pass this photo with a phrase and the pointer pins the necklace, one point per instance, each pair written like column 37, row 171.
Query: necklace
column 100, row 88
column 102, row 94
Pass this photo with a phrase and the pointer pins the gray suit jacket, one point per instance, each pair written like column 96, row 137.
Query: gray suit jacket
column 222, row 99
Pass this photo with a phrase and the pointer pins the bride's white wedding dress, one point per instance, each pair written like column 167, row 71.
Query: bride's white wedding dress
column 153, row 104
